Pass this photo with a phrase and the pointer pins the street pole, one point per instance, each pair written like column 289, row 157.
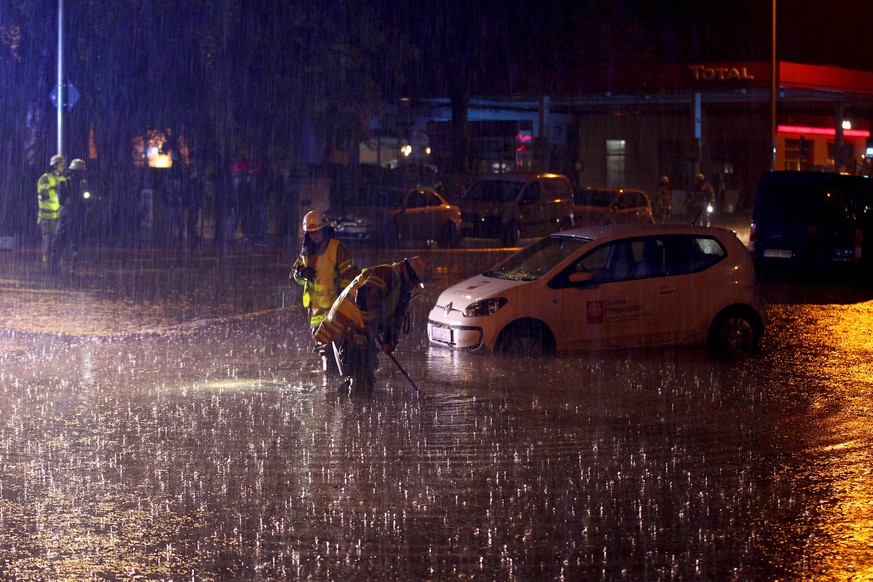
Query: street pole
column 773, row 86
column 60, row 76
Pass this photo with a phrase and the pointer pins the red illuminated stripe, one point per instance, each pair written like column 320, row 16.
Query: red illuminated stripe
column 821, row 130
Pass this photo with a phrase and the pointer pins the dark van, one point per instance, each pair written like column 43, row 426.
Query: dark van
column 515, row 205
column 811, row 225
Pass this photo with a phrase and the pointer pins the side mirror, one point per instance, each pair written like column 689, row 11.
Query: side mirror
column 581, row 277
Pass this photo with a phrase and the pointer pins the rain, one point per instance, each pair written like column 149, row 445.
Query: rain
column 163, row 415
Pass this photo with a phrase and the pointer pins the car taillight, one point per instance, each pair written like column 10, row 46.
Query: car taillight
column 752, row 238
column 859, row 238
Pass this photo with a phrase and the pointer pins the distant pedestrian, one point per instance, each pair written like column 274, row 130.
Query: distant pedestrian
column 368, row 317
column 47, row 193
column 172, row 188
column 663, row 200
column 192, row 201
column 72, row 217
column 324, row 268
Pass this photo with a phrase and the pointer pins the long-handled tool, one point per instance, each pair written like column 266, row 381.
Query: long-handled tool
column 402, row 371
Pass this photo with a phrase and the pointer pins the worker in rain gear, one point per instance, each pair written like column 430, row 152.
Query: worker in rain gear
column 48, row 200
column 368, row 317
column 701, row 201
column 72, row 215
column 324, row 268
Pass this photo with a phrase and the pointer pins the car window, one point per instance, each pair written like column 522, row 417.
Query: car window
column 635, row 199
column 430, row 199
column 689, row 254
column 647, row 257
column 608, row 263
column 532, row 193
column 814, row 204
column 494, row 191
column 538, row 259
column 555, row 189
column 418, row 199
column 621, row 202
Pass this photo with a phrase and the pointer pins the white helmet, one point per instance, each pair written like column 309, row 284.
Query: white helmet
column 56, row 159
column 314, row 220
column 418, row 265
column 77, row 164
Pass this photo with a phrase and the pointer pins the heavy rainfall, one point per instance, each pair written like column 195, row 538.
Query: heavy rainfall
column 164, row 415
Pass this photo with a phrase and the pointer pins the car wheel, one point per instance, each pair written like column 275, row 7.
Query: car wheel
column 391, row 236
column 735, row 331
column 510, row 235
column 526, row 338
column 448, row 236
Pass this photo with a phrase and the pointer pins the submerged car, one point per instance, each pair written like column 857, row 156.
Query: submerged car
column 595, row 206
column 608, row 287
column 389, row 216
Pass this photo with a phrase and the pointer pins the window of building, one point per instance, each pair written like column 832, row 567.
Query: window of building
column 615, row 161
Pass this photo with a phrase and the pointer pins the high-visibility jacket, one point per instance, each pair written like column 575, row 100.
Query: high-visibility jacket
column 334, row 270
column 373, row 304
column 47, row 195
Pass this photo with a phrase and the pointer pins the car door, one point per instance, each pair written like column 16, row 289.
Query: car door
column 621, row 296
column 689, row 262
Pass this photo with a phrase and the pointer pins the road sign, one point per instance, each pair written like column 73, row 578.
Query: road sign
column 71, row 95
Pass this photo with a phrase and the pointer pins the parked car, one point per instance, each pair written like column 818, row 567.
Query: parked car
column 389, row 216
column 608, row 287
column 594, row 206
column 812, row 226
column 515, row 205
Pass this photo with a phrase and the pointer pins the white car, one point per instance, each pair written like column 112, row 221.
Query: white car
column 608, row 287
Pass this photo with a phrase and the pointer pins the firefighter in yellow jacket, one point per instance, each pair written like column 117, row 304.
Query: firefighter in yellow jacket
column 324, row 268
column 48, row 200
column 368, row 317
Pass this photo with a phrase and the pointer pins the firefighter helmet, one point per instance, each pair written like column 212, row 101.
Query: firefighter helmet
column 314, row 220
column 420, row 269
column 56, row 159
column 77, row 164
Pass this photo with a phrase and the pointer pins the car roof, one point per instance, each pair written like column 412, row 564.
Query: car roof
column 613, row 190
column 616, row 231
column 522, row 176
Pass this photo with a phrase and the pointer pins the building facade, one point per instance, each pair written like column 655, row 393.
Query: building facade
column 730, row 121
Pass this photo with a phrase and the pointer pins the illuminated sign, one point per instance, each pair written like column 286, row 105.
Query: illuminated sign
column 713, row 73
column 829, row 131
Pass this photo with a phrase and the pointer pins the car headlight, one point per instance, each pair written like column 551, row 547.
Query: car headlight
column 484, row 307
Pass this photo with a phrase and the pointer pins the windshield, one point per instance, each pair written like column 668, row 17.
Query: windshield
column 538, row 259
column 494, row 190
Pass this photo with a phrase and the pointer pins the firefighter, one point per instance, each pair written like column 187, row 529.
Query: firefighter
column 701, row 201
column 48, row 200
column 70, row 227
column 368, row 317
column 324, row 268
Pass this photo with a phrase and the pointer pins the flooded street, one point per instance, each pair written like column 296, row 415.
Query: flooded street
column 162, row 418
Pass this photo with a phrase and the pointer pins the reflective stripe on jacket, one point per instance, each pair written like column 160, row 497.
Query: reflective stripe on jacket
column 47, row 196
column 334, row 270
column 346, row 320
